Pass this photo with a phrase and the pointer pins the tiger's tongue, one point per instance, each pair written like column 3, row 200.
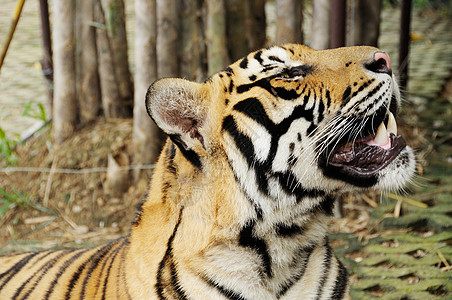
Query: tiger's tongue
column 381, row 138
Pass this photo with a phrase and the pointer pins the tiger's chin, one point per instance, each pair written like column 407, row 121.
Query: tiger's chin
column 382, row 161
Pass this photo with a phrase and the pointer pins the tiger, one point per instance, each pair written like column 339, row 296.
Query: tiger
column 243, row 191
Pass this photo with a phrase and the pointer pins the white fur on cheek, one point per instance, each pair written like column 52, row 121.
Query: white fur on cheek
column 259, row 135
column 280, row 163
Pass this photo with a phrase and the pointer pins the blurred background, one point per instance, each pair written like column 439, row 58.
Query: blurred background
column 77, row 147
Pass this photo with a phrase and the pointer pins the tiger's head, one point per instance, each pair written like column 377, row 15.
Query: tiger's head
column 291, row 121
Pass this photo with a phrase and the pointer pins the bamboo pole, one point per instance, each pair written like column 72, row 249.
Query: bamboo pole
column 65, row 108
column 47, row 64
column 12, row 29
column 338, row 11
column 404, row 44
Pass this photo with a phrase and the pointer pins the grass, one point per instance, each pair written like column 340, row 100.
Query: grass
column 8, row 144
column 8, row 147
column 35, row 110
column 11, row 200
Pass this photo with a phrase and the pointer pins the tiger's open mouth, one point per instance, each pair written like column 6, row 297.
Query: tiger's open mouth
column 371, row 154
column 374, row 148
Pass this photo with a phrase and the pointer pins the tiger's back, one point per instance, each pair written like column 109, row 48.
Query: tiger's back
column 242, row 194
column 66, row 273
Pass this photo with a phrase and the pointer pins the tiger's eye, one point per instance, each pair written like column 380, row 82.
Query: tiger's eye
column 299, row 71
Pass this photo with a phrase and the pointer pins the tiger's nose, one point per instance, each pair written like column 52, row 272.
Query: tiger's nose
column 380, row 63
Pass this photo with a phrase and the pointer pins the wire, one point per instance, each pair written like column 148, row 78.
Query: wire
column 72, row 171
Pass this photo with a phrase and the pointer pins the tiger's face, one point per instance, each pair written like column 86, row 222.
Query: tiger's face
column 291, row 121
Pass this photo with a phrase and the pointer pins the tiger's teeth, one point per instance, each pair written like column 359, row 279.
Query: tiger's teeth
column 392, row 125
column 381, row 138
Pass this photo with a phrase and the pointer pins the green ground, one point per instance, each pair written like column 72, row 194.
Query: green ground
column 409, row 257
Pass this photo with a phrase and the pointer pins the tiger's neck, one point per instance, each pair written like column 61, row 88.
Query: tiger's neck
column 201, row 224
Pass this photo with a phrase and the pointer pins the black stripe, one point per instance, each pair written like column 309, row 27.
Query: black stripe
column 291, row 147
column 268, row 68
column 229, row 71
column 43, row 271
column 274, row 58
column 160, row 285
column 263, row 83
column 302, row 260
column 246, row 146
column 320, row 111
column 275, row 91
column 362, row 87
column 175, row 282
column 242, row 141
column 224, row 291
column 27, row 281
column 341, row 283
column 286, row 94
column 164, row 190
column 346, row 96
column 188, row 153
column 327, row 205
column 244, row 63
column 258, row 56
column 254, row 109
column 370, row 106
column 291, row 186
column 139, row 212
column 105, row 261
column 285, row 230
column 10, row 273
column 63, row 268
column 91, row 261
column 310, row 131
column 306, row 97
column 324, row 206
column 248, row 239
column 368, row 95
column 118, row 283
column 393, row 106
column 366, row 84
column 326, row 269
column 107, row 276
column 171, row 153
column 304, row 89
column 122, row 278
column 231, row 86
column 256, row 205
column 328, row 99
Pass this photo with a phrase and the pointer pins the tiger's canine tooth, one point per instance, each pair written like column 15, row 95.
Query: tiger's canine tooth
column 381, row 138
column 392, row 125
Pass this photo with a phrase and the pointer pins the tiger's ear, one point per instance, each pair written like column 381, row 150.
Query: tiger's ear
column 178, row 107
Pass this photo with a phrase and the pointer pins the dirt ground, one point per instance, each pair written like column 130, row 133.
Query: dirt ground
column 65, row 209
column 46, row 209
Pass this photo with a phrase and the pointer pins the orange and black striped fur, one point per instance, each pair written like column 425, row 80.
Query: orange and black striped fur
column 241, row 197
